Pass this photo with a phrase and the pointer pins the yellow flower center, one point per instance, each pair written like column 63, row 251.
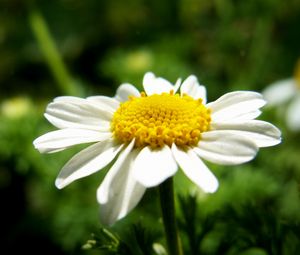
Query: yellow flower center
column 159, row 120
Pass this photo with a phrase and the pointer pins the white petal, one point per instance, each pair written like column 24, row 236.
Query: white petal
column 156, row 85
column 236, row 105
column 293, row 114
column 177, row 85
column 226, row 149
column 122, row 160
column 125, row 90
column 248, row 116
column 119, row 192
column 195, row 169
column 87, row 162
column 83, row 115
column 280, row 92
column 192, row 87
column 64, row 138
column 69, row 99
column 105, row 104
column 262, row 133
column 103, row 101
column 152, row 167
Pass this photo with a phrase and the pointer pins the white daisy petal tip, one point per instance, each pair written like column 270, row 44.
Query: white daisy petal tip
column 156, row 85
column 226, row 147
column 88, row 161
column 277, row 135
column 39, row 145
column 148, row 77
column 162, row 166
column 119, row 192
column 293, row 116
column 212, row 187
column 60, row 184
column 192, row 88
column 280, row 92
column 177, row 85
column 80, row 113
column 192, row 79
column 195, row 169
column 36, row 143
column 126, row 90
column 236, row 105
column 64, row 138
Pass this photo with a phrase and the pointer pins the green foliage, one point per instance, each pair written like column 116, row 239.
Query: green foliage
column 137, row 241
column 230, row 45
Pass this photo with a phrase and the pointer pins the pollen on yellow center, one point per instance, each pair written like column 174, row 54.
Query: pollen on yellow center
column 159, row 120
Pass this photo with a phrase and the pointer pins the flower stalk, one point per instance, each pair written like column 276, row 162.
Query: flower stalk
column 166, row 192
column 46, row 43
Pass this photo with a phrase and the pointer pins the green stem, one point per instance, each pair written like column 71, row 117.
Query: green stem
column 53, row 59
column 167, row 204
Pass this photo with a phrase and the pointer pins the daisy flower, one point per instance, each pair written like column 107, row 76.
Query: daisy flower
column 287, row 91
column 151, row 134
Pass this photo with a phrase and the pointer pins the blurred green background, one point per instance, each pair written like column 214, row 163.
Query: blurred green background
column 60, row 47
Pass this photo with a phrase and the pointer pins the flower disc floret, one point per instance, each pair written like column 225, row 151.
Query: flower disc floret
column 159, row 120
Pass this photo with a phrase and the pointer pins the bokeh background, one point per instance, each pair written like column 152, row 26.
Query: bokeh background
column 83, row 48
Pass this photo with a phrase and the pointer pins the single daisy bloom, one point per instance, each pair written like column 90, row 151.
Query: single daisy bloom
column 283, row 92
column 151, row 134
